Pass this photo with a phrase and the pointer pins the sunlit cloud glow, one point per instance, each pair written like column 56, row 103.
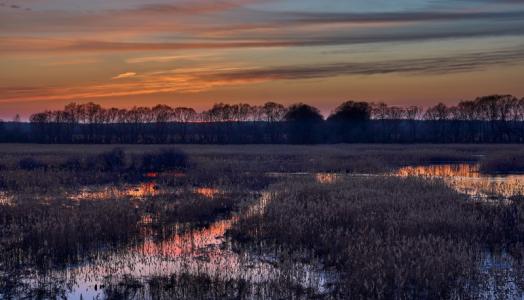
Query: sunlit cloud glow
column 57, row 50
column 125, row 75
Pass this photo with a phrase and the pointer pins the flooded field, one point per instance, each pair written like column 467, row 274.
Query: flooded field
column 201, row 251
column 181, row 233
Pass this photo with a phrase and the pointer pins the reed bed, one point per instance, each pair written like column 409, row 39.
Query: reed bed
column 382, row 237
column 390, row 238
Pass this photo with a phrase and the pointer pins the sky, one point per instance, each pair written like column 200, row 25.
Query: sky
column 126, row 53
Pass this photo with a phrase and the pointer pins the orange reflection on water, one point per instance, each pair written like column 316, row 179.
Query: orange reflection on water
column 189, row 242
column 151, row 175
column 326, row 178
column 96, row 194
column 207, row 192
column 443, row 170
column 466, row 178
column 146, row 189
column 490, row 186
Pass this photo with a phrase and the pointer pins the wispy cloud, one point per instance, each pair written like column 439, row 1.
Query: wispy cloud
column 402, row 17
column 13, row 6
column 193, row 7
column 198, row 80
column 431, row 65
column 189, row 46
column 20, row 45
column 161, row 59
column 181, row 25
column 125, row 75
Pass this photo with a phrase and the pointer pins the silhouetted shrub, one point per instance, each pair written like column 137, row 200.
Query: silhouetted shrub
column 30, row 164
column 72, row 164
column 113, row 160
column 351, row 111
column 163, row 160
column 301, row 112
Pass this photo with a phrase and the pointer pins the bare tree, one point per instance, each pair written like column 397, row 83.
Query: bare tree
column 184, row 115
column 273, row 112
column 162, row 113
column 438, row 112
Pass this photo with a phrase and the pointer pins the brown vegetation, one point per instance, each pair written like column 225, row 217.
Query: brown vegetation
column 391, row 238
column 383, row 237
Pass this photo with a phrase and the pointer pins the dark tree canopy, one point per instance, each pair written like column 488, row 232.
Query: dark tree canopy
column 488, row 119
column 352, row 111
column 301, row 112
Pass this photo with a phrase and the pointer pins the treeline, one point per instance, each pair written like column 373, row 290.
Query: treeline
column 489, row 119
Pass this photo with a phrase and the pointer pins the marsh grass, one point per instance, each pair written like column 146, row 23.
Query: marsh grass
column 390, row 238
column 384, row 237
column 54, row 173
column 201, row 286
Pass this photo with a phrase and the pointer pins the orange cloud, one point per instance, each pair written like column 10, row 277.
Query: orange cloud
column 198, row 79
column 125, row 75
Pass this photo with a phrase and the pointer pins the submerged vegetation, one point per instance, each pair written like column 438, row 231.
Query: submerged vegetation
column 253, row 222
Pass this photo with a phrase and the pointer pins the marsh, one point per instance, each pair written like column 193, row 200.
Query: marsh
column 260, row 221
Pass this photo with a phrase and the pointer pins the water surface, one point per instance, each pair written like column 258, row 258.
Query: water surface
column 467, row 178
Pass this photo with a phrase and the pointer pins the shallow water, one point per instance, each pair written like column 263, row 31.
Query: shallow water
column 195, row 251
column 207, row 251
column 142, row 190
column 466, row 178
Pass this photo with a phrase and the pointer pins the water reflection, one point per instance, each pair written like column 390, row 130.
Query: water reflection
column 196, row 251
column 207, row 192
column 147, row 189
column 441, row 170
column 143, row 190
column 467, row 179
column 139, row 191
column 327, row 178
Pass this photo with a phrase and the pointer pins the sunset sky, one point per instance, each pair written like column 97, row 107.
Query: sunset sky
column 197, row 52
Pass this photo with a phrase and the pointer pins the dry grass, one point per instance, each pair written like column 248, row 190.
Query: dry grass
column 391, row 238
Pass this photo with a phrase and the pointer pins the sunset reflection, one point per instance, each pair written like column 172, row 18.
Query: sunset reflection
column 147, row 189
column 142, row 190
column 326, row 178
column 466, row 178
column 207, row 192
column 151, row 175
column 441, row 170
column 189, row 242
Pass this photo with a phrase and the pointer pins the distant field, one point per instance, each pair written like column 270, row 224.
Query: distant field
column 258, row 149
